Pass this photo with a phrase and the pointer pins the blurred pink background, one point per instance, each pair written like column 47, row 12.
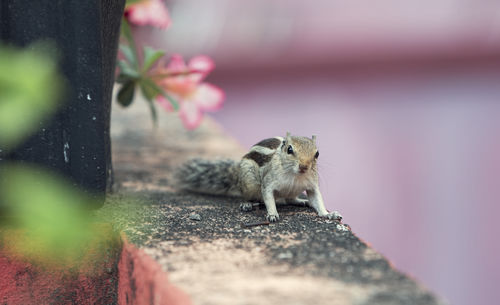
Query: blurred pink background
column 405, row 99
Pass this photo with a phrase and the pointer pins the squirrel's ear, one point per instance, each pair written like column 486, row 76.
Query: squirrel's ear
column 288, row 136
column 314, row 138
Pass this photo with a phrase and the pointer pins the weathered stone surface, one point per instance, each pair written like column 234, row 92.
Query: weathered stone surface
column 141, row 280
column 302, row 259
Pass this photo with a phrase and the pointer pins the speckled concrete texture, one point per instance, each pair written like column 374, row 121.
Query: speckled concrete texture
column 213, row 256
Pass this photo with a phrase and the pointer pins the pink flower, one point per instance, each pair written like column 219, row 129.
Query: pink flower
column 186, row 86
column 148, row 12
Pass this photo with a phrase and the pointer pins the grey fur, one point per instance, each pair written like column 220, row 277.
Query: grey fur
column 218, row 177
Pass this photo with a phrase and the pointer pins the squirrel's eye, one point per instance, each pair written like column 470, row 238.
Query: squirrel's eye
column 316, row 155
column 289, row 150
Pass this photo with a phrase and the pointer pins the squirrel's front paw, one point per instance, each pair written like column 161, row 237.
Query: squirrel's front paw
column 273, row 218
column 333, row 216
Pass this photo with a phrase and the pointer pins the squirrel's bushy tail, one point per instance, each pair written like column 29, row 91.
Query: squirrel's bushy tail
column 216, row 177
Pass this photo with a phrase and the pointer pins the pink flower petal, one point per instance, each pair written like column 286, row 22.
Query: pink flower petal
column 178, row 85
column 164, row 103
column 208, row 97
column 203, row 65
column 176, row 64
column 190, row 114
column 148, row 12
column 194, row 97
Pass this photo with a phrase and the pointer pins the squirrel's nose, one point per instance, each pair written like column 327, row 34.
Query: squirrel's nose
column 303, row 168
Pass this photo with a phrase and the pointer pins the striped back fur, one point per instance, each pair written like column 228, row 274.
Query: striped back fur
column 263, row 151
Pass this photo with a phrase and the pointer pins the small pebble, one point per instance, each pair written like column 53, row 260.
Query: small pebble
column 342, row 227
column 285, row 255
column 195, row 216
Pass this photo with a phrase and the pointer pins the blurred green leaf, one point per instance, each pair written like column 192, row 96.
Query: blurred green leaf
column 150, row 92
column 30, row 88
column 129, row 2
column 52, row 213
column 122, row 79
column 133, row 55
column 126, row 94
column 171, row 100
column 150, row 57
column 127, row 71
column 129, row 55
column 125, row 30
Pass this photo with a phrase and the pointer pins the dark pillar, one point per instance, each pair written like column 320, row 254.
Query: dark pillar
column 76, row 141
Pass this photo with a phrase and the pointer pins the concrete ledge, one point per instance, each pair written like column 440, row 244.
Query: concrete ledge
column 216, row 259
column 141, row 280
column 115, row 273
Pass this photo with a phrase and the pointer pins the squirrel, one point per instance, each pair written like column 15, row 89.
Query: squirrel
column 274, row 169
